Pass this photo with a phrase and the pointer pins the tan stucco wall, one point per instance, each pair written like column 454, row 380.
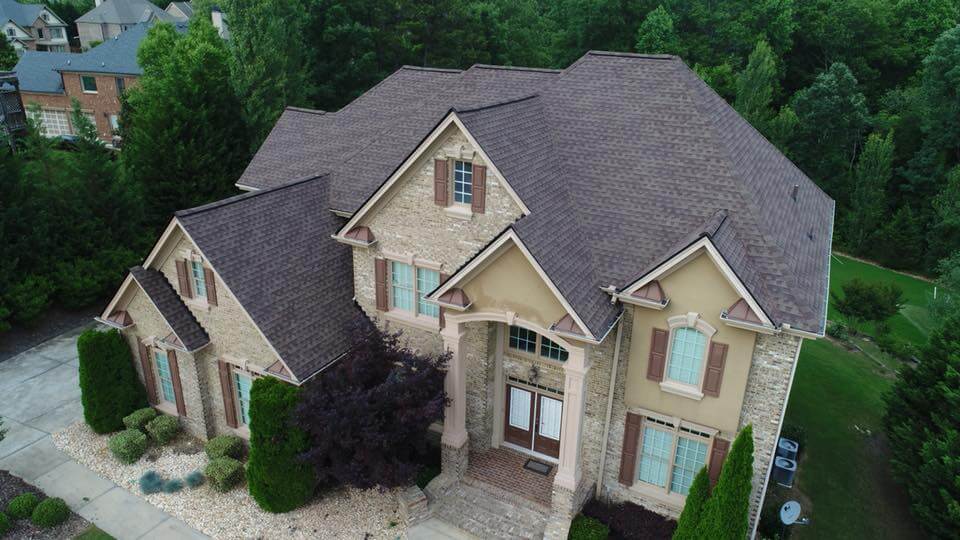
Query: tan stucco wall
column 697, row 287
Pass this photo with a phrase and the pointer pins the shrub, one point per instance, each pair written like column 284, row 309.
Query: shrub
column 224, row 446
column 163, row 428
column 29, row 298
column 128, row 445
column 839, row 330
column 896, row 347
column 224, row 473
column 587, row 528
column 151, row 482
column 868, row 301
column 139, row 418
column 693, row 507
column 172, row 486
column 726, row 516
column 109, row 387
column 194, row 479
column 50, row 513
column 21, row 506
column 278, row 480
column 4, row 524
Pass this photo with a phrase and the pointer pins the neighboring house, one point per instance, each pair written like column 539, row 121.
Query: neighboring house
column 181, row 11
column 95, row 78
column 32, row 27
column 111, row 17
column 623, row 269
column 13, row 118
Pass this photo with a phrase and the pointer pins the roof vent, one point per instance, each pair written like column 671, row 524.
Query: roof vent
column 796, row 189
column 810, row 234
column 102, row 64
column 68, row 62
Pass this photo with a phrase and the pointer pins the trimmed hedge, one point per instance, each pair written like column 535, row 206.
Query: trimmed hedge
column 224, row 473
column 139, row 418
column 587, row 528
column 276, row 477
column 224, row 446
column 163, row 428
column 109, row 387
column 21, row 506
column 5, row 524
column 50, row 513
column 128, row 445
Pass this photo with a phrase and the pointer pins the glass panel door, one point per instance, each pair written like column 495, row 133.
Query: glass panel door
column 549, row 414
column 518, row 421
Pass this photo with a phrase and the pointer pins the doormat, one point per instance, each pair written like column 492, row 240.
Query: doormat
column 538, row 467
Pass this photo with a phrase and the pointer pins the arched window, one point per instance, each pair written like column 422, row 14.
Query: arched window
column 687, row 352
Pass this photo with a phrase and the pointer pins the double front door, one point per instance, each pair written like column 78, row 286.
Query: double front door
column 532, row 421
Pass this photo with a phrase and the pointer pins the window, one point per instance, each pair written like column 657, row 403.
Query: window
column 164, row 376
column 409, row 286
column 523, row 339
column 39, row 33
column 686, row 356
column 668, row 465
column 89, row 84
column 427, row 280
column 691, row 455
column 114, row 122
column 401, row 285
column 45, row 16
column 53, row 123
column 199, row 280
column 121, row 85
column 11, row 32
column 242, row 384
column 551, row 350
column 56, row 33
column 462, row 182
column 655, row 456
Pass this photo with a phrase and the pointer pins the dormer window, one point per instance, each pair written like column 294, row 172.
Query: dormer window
column 463, row 182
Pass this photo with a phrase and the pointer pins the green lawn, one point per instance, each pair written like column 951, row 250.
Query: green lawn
column 843, row 480
column 912, row 323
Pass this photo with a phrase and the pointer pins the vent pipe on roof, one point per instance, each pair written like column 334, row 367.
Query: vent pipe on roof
column 796, row 189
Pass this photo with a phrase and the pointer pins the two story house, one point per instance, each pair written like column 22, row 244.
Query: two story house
column 109, row 18
column 32, row 27
column 622, row 267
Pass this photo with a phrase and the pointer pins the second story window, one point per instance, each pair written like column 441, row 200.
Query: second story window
column 462, row 182
column 56, row 33
column 551, row 350
column 686, row 356
column 89, row 84
column 522, row 339
column 409, row 286
column 528, row 341
column 199, row 280
column 40, row 33
column 121, row 85
column 11, row 32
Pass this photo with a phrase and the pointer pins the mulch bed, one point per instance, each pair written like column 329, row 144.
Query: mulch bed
column 628, row 521
column 10, row 487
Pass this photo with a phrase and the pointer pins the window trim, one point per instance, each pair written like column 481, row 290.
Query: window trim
column 83, row 87
column 706, row 435
column 695, row 321
column 413, row 317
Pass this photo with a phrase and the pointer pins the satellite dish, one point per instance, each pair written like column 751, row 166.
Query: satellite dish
column 790, row 512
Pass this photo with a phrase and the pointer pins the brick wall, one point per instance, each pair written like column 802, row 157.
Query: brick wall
column 102, row 105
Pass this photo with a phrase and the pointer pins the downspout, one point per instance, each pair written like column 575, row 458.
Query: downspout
column 606, row 421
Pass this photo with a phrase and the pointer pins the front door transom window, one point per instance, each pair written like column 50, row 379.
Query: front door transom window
column 528, row 341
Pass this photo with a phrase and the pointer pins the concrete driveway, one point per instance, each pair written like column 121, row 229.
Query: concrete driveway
column 39, row 395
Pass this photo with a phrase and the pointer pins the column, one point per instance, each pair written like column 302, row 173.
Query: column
column 455, row 450
column 574, row 390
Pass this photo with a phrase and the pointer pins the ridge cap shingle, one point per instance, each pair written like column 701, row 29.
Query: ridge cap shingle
column 246, row 196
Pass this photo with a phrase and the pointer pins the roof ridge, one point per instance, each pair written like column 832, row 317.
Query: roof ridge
column 496, row 104
column 428, row 68
column 244, row 196
column 516, row 68
column 306, row 110
column 647, row 56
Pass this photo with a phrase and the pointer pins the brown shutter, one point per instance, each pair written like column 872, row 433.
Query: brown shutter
column 717, row 455
column 226, row 388
column 380, row 271
column 443, row 279
column 211, row 283
column 631, row 440
column 658, row 354
column 715, row 362
column 148, row 380
column 440, row 182
column 177, row 388
column 479, row 197
column 184, row 279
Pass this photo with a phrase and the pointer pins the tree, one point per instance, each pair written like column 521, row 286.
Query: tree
column 276, row 477
column 947, row 300
column 367, row 417
column 8, row 55
column 868, row 201
column 868, row 301
column 899, row 244
column 185, row 140
column 941, row 94
column 726, row 515
column 656, row 34
column 944, row 237
column 922, row 421
column 697, row 497
column 109, row 387
column 756, row 85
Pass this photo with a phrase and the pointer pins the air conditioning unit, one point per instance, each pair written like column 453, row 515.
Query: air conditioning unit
column 787, row 448
column 784, row 470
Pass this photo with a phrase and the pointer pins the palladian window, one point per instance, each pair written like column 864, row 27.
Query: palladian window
column 528, row 341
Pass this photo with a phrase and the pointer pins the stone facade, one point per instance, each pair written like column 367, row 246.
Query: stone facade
column 102, row 105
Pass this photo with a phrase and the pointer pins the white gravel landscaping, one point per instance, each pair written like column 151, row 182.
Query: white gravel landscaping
column 343, row 513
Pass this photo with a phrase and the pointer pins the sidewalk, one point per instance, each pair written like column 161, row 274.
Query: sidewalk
column 39, row 395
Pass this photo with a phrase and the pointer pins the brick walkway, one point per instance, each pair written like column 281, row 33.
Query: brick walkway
column 503, row 468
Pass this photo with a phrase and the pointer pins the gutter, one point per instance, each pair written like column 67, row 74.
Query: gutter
column 606, row 421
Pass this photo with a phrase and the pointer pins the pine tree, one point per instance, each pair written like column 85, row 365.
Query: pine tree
column 693, row 508
column 755, row 87
column 656, row 33
column 726, row 516
column 899, row 243
column 868, row 201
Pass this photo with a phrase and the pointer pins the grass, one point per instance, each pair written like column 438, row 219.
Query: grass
column 912, row 323
column 93, row 533
column 843, row 480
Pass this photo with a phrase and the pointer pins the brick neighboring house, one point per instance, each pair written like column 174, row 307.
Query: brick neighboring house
column 623, row 269
column 95, row 78
column 32, row 27
column 109, row 18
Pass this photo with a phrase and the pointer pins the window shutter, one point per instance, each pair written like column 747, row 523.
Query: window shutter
column 184, row 279
column 715, row 362
column 443, row 279
column 177, row 388
column 478, row 200
column 148, row 380
column 658, row 354
column 631, row 441
column 440, row 182
column 717, row 455
column 211, row 283
column 380, row 271
column 226, row 388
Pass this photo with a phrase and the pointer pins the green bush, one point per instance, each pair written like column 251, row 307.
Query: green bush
column 29, row 298
column 587, row 528
column 172, row 486
column 4, row 524
column 109, row 387
column 21, row 506
column 896, row 347
column 839, row 330
column 224, row 473
column 224, row 446
column 163, row 428
column 128, row 445
column 726, row 515
column 194, row 479
column 50, row 513
column 139, row 418
column 693, row 508
column 276, row 477
column 151, row 482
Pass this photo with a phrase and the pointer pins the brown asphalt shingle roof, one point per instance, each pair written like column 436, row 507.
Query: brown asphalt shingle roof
column 171, row 308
